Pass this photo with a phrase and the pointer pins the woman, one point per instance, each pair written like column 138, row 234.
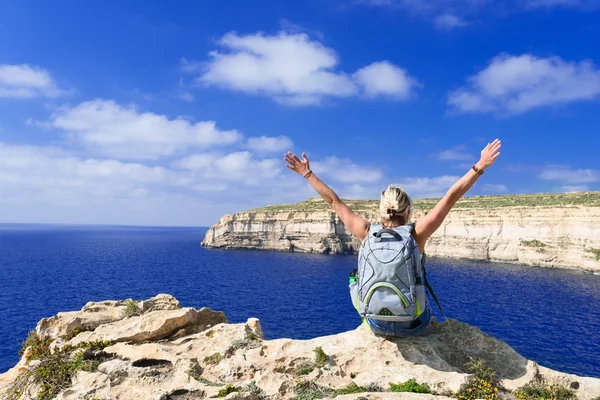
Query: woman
column 395, row 211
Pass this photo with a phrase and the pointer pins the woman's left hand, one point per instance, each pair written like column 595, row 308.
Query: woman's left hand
column 297, row 165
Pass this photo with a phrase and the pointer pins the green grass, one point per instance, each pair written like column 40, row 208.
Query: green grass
column 410, row 386
column 539, row 390
column 533, row 243
column 354, row 388
column 195, row 375
column 307, row 367
column 213, row 359
column 587, row 199
column 75, row 332
column 229, row 389
column 596, row 253
column 320, row 356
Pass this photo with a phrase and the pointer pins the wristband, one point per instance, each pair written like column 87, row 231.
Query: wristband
column 479, row 171
column 307, row 174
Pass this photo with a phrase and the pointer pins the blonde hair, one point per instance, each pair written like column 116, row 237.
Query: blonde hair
column 395, row 202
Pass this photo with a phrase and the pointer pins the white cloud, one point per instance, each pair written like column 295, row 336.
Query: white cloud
column 455, row 154
column 197, row 161
column 451, row 14
column 242, row 166
column 575, row 188
column 266, row 144
column 568, row 175
column 238, row 166
column 345, row 171
column 41, row 184
column 385, row 79
column 293, row 69
column 25, row 82
column 447, row 22
column 186, row 96
column 494, row 188
column 516, row 84
column 581, row 4
column 125, row 132
column 427, row 187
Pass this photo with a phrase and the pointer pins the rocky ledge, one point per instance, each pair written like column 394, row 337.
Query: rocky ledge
column 155, row 349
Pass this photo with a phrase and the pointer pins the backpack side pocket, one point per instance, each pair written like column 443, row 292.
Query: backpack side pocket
column 354, row 293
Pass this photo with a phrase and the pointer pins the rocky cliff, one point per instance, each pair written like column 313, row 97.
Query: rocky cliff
column 549, row 230
column 154, row 349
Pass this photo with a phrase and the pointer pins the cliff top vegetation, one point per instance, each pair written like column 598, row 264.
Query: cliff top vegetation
column 579, row 199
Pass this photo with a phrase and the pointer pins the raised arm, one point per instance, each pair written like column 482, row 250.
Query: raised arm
column 427, row 225
column 355, row 224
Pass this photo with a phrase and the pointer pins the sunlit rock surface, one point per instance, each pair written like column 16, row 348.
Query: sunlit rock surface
column 184, row 353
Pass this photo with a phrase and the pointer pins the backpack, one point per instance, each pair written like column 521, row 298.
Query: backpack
column 390, row 282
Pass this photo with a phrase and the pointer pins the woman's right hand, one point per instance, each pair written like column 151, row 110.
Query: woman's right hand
column 297, row 165
column 489, row 154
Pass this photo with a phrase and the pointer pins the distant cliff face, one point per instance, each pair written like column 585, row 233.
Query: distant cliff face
column 561, row 230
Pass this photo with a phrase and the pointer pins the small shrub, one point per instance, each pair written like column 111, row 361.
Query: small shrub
column 53, row 374
column 17, row 388
column 320, row 356
column 410, row 386
column 40, row 346
column 252, row 336
column 539, row 390
column 351, row 388
column 304, row 368
column 478, row 389
column 228, row 389
column 54, row 371
column 192, row 373
column 307, row 367
column 484, row 386
column 75, row 332
column 596, row 253
column 256, row 392
column 96, row 345
column 481, row 370
column 213, row 359
column 250, row 341
column 307, row 390
column 131, row 309
column 536, row 244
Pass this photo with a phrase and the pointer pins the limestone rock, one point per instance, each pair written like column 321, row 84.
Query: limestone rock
column 147, row 362
column 154, row 325
column 554, row 230
column 94, row 314
column 390, row 396
column 160, row 302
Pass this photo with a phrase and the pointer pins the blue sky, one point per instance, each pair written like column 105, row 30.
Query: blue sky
column 174, row 113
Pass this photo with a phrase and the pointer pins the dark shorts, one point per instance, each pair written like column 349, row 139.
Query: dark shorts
column 413, row 328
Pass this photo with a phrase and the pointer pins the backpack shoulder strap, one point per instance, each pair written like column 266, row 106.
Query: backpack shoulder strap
column 430, row 289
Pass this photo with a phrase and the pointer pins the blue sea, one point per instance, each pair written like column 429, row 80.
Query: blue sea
column 551, row 316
